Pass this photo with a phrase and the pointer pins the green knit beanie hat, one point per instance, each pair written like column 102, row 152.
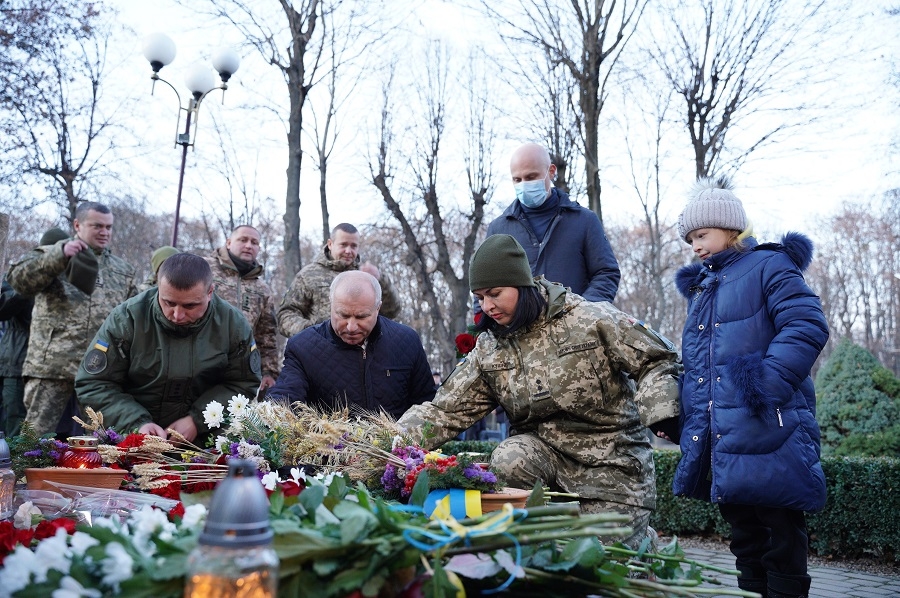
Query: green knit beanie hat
column 161, row 255
column 82, row 270
column 500, row 262
column 52, row 236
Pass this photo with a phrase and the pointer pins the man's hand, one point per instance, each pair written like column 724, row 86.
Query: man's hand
column 76, row 246
column 186, row 427
column 370, row 268
column 267, row 383
column 152, row 429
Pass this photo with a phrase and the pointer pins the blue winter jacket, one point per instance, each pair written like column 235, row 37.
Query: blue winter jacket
column 753, row 331
column 390, row 373
column 575, row 251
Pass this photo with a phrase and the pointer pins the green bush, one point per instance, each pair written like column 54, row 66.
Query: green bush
column 861, row 514
column 852, row 390
column 455, row 447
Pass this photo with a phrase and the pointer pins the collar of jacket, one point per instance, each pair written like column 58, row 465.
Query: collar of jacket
column 339, row 342
column 337, row 265
column 226, row 262
column 174, row 329
column 514, row 209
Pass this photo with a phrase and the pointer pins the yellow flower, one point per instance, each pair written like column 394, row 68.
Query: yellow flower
column 433, row 456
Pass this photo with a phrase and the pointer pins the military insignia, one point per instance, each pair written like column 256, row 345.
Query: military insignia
column 95, row 361
column 255, row 360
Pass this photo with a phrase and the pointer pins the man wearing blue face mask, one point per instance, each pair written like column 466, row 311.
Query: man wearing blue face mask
column 564, row 241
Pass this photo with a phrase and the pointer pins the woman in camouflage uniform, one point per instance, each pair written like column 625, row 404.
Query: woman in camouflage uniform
column 580, row 382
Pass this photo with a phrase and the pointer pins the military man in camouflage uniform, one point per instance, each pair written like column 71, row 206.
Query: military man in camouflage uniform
column 580, row 382
column 306, row 302
column 65, row 318
column 238, row 279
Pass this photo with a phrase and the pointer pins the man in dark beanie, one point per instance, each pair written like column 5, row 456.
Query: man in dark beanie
column 239, row 280
column 72, row 294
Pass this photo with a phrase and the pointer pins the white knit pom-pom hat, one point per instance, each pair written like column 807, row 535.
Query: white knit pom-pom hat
column 712, row 205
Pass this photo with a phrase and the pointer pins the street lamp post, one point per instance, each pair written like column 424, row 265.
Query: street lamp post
column 159, row 49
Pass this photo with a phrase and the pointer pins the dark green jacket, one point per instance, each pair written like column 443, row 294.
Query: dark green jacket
column 141, row 368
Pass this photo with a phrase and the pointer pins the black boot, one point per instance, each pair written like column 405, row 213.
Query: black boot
column 753, row 580
column 788, row 586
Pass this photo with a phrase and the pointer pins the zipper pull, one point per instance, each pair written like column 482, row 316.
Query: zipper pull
column 709, row 407
column 780, row 423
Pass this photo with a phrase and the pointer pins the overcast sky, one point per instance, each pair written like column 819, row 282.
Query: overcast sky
column 850, row 160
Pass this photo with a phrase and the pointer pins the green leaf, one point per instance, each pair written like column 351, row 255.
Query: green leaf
column 536, row 499
column 356, row 521
column 312, row 497
column 276, row 503
column 420, row 490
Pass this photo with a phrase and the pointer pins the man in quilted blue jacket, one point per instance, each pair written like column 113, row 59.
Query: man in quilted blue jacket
column 357, row 358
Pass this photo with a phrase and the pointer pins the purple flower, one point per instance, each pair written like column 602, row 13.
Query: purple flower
column 55, row 455
column 476, row 473
column 233, row 449
column 390, row 481
column 34, row 453
column 114, row 437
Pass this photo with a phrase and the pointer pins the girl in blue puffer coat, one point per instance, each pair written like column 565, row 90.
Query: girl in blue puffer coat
column 750, row 441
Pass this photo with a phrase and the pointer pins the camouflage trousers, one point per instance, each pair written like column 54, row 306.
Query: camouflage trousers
column 524, row 459
column 46, row 400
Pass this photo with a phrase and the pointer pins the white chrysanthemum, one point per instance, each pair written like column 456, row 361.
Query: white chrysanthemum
column 194, row 516
column 214, row 414
column 70, row 588
column 237, row 406
column 149, row 522
column 17, row 569
column 222, row 444
column 81, row 541
column 52, row 553
column 270, row 480
column 22, row 518
column 117, row 566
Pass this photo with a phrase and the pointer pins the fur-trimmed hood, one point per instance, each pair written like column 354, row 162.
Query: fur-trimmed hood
column 796, row 246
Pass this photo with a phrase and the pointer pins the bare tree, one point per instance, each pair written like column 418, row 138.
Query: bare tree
column 286, row 35
column 54, row 133
column 437, row 254
column 586, row 38
column 735, row 64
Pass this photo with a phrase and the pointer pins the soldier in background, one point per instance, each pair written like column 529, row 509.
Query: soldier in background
column 580, row 382
column 238, row 279
column 75, row 284
column 306, row 302
column 158, row 256
column 15, row 313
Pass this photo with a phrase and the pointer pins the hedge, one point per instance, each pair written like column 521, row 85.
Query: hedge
column 861, row 514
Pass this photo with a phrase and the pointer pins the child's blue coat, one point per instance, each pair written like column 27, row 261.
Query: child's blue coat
column 754, row 328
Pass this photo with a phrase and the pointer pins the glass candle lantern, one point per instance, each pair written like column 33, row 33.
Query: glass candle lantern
column 82, row 453
column 234, row 557
column 7, row 481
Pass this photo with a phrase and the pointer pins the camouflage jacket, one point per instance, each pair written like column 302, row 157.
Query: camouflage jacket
column 141, row 368
column 65, row 319
column 585, row 378
column 307, row 302
column 253, row 297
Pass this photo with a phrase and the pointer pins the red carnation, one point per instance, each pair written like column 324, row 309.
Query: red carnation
column 132, row 441
column 47, row 528
column 465, row 342
column 291, row 488
column 176, row 511
column 171, row 490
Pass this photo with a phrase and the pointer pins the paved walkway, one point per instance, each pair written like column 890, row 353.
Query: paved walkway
column 827, row 582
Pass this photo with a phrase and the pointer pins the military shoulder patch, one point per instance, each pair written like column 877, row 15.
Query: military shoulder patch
column 95, row 361
column 255, row 360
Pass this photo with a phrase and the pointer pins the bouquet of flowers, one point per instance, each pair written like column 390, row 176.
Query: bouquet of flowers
column 407, row 462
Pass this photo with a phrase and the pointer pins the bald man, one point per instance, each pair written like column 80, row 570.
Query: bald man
column 564, row 241
column 356, row 358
